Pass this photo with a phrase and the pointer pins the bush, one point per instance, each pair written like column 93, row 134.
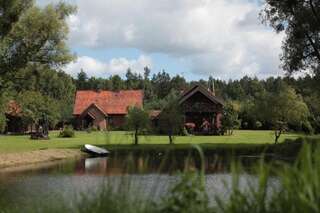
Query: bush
column 307, row 128
column 92, row 129
column 257, row 125
column 67, row 132
column 185, row 132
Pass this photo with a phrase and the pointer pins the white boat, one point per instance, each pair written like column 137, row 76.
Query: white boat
column 94, row 150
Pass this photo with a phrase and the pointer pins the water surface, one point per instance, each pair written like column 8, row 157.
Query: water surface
column 151, row 176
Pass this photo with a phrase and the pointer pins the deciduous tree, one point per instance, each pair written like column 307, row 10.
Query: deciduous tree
column 230, row 119
column 171, row 117
column 137, row 120
column 283, row 108
column 300, row 20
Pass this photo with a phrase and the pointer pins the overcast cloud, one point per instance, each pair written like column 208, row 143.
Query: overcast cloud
column 223, row 38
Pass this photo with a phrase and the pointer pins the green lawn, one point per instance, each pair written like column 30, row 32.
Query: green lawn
column 23, row 143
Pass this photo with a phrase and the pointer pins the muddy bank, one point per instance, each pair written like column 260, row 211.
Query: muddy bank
column 37, row 156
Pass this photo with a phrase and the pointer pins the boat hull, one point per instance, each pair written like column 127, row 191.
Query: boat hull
column 94, row 150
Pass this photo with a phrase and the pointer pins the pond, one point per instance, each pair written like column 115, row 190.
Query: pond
column 152, row 176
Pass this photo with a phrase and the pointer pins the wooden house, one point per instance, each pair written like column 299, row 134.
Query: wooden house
column 104, row 109
column 202, row 109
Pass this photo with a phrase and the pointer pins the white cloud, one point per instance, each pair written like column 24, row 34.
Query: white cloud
column 220, row 37
column 94, row 67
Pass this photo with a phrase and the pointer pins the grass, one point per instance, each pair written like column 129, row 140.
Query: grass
column 10, row 144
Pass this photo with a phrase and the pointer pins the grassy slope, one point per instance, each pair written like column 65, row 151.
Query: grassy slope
column 23, row 143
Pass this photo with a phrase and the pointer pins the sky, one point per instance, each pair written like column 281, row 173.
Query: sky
column 194, row 38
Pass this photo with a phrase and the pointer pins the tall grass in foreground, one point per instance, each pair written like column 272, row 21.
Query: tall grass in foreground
column 297, row 191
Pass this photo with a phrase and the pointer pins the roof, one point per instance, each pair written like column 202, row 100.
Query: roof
column 108, row 102
column 199, row 88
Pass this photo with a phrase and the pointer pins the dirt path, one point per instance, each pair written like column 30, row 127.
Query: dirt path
column 37, row 156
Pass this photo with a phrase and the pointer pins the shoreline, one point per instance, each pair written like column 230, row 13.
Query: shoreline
column 11, row 160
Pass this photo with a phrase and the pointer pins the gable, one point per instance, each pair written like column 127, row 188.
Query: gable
column 93, row 111
column 199, row 93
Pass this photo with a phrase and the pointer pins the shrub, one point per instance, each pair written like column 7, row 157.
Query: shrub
column 92, row 129
column 67, row 132
column 258, row 125
column 307, row 128
column 185, row 132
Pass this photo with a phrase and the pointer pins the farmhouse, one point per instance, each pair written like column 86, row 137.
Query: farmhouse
column 104, row 109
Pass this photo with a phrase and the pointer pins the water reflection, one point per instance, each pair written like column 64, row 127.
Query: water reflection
column 153, row 174
column 145, row 165
column 128, row 164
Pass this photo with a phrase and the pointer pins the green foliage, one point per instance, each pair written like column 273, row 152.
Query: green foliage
column 32, row 50
column 171, row 117
column 55, row 85
column 92, row 129
column 298, row 189
column 2, row 122
column 34, row 105
column 3, row 104
column 10, row 13
column 188, row 195
column 301, row 23
column 37, row 36
column 185, row 132
column 258, row 125
column 67, row 132
column 115, row 201
column 287, row 108
column 137, row 120
column 230, row 119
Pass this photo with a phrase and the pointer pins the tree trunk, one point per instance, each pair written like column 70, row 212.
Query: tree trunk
column 136, row 137
column 170, row 139
column 170, row 136
column 277, row 134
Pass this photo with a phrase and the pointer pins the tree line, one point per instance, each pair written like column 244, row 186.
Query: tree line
column 295, row 101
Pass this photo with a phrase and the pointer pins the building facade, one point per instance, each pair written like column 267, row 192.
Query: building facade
column 202, row 110
column 104, row 109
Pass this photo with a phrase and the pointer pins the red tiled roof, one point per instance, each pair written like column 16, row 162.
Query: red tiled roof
column 108, row 101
